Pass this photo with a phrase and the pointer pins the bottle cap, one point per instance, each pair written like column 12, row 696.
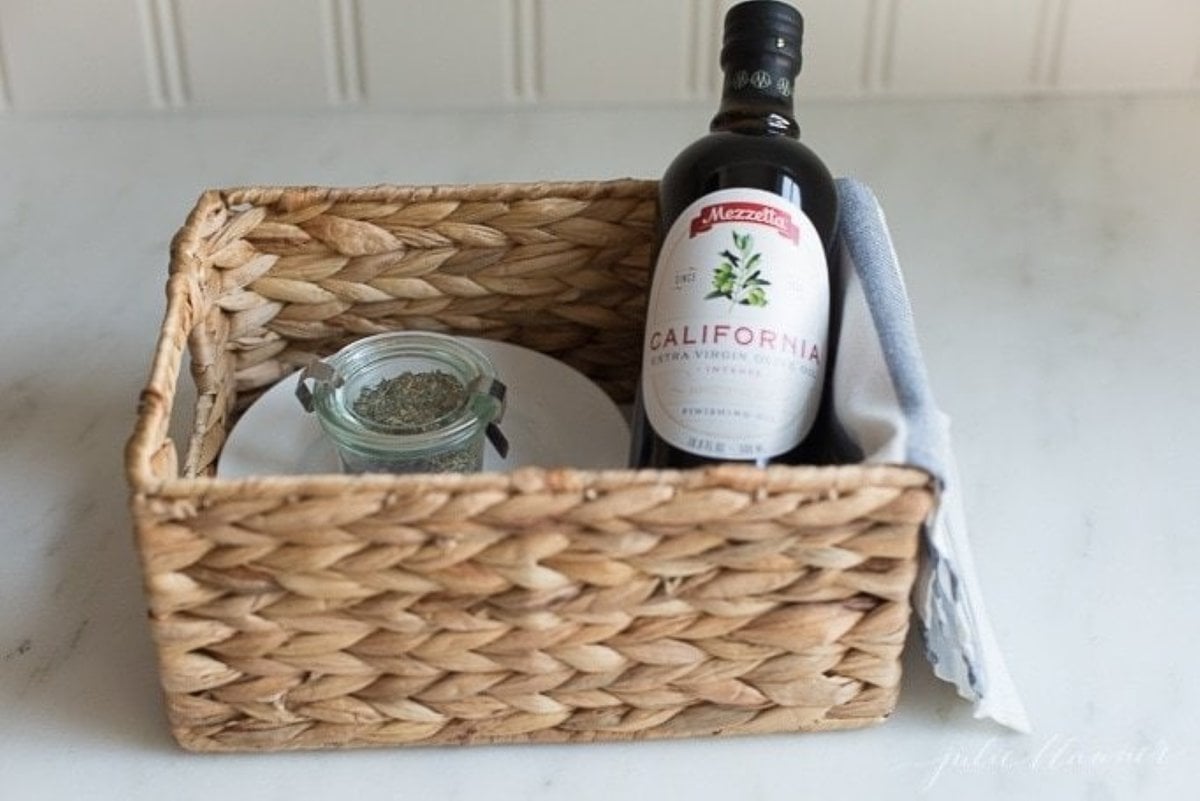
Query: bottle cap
column 763, row 26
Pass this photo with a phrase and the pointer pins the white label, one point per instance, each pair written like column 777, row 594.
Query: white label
column 734, row 357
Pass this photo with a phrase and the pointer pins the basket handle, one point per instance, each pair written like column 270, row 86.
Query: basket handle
column 150, row 455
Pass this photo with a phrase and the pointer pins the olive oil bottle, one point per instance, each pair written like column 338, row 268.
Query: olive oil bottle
column 737, row 332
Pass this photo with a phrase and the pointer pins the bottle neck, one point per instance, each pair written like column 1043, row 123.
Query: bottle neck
column 757, row 97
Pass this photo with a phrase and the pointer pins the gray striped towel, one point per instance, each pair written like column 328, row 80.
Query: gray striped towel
column 884, row 411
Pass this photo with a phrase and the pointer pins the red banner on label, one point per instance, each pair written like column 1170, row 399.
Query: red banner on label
column 743, row 212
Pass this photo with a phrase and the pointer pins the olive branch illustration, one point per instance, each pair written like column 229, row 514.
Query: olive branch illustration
column 739, row 277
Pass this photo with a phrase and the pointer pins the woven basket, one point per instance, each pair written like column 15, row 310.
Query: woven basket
column 539, row 605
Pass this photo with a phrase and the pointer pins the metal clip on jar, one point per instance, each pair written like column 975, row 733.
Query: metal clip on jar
column 347, row 391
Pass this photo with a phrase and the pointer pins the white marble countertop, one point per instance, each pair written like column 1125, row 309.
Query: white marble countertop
column 1051, row 253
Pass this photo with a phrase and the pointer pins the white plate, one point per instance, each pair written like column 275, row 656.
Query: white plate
column 555, row 417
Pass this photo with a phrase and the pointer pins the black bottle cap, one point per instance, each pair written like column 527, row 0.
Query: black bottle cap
column 763, row 26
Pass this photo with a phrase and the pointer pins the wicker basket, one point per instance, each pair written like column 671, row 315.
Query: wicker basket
column 538, row 605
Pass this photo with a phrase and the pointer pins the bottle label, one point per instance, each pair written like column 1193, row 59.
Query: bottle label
column 734, row 357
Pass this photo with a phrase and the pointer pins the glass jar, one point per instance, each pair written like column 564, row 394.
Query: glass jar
column 407, row 402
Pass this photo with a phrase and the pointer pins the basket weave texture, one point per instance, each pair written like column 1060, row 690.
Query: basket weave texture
column 539, row 605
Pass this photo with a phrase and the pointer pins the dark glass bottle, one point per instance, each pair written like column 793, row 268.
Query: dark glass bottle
column 705, row 341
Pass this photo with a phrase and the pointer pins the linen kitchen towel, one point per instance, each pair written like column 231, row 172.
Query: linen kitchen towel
column 884, row 411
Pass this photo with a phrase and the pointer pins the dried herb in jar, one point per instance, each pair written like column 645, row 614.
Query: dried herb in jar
column 417, row 403
column 413, row 403
column 407, row 402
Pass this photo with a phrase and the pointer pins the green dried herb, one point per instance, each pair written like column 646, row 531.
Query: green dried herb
column 416, row 403
column 412, row 403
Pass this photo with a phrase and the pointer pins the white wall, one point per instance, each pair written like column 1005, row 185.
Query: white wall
column 225, row 54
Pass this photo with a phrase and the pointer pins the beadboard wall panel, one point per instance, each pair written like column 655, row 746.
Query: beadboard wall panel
column 448, row 53
column 121, row 55
column 967, row 47
column 4, row 101
column 612, row 51
column 1117, row 45
column 67, row 55
column 254, row 53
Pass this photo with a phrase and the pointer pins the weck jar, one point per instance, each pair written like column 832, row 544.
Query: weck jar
column 407, row 402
